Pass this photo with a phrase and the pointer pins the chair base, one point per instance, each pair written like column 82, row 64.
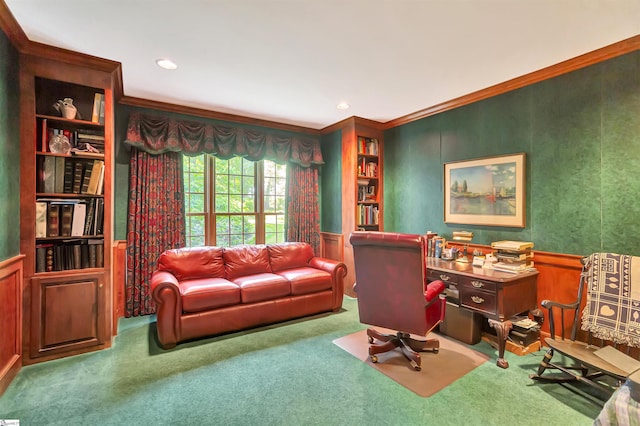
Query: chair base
column 409, row 346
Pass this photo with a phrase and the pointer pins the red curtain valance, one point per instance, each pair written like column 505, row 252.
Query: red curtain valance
column 157, row 135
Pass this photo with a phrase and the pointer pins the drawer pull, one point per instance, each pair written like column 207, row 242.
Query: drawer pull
column 445, row 277
column 477, row 299
column 477, row 284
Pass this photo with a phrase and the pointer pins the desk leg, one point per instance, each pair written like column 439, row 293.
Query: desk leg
column 502, row 330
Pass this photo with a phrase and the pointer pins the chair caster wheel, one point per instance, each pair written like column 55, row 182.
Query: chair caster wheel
column 436, row 350
column 374, row 359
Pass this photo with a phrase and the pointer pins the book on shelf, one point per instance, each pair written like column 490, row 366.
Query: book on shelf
column 68, row 177
column 41, row 219
column 101, row 114
column 49, row 174
column 88, row 223
column 86, row 179
column 96, row 170
column 512, row 245
column 77, row 177
column 44, row 257
column 95, row 114
column 53, row 218
column 66, row 218
column 79, row 217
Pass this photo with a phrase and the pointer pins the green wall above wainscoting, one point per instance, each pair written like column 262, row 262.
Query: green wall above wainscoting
column 331, row 180
column 9, row 150
column 581, row 134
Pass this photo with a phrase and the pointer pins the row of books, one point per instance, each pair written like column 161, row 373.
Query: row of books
column 435, row 244
column 367, row 193
column 368, row 214
column 69, row 218
column 70, row 254
column 68, row 175
column 97, row 115
column 367, row 168
column 513, row 256
column 367, row 146
column 77, row 138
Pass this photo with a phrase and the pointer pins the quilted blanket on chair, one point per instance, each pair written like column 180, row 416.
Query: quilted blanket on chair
column 612, row 310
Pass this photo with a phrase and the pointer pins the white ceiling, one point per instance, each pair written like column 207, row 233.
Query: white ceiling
column 292, row 61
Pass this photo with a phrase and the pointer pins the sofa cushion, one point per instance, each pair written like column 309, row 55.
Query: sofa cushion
column 307, row 280
column 245, row 260
column 193, row 262
column 289, row 255
column 259, row 287
column 208, row 293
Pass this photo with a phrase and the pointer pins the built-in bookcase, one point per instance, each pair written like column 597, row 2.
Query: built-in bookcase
column 65, row 202
column 368, row 180
column 362, row 185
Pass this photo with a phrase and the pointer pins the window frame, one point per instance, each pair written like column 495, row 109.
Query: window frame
column 210, row 215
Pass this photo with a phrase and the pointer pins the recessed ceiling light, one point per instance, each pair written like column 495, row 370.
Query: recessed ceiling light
column 166, row 64
column 343, row 105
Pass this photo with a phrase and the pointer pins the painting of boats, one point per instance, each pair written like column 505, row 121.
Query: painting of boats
column 487, row 191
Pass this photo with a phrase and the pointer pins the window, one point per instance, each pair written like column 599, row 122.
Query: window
column 236, row 201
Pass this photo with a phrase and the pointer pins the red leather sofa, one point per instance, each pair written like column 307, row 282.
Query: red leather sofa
column 204, row 291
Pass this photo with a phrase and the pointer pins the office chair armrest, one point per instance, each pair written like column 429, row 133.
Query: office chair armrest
column 434, row 288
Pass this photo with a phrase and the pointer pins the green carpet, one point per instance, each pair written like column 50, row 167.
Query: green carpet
column 286, row 374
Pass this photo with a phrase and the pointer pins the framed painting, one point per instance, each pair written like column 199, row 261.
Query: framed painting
column 486, row 191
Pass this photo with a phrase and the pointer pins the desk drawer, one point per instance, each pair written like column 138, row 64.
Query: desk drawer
column 478, row 300
column 476, row 284
column 448, row 278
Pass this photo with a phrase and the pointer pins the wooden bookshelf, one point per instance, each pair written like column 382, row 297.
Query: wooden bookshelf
column 67, row 264
column 362, row 185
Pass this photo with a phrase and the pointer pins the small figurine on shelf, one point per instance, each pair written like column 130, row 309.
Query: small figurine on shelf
column 67, row 109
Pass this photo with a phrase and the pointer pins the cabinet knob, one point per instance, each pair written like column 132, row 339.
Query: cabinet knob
column 445, row 277
column 477, row 299
column 477, row 284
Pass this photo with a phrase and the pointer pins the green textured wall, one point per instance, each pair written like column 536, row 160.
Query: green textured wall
column 330, row 183
column 9, row 150
column 581, row 134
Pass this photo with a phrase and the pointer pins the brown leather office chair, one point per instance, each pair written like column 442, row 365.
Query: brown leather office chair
column 393, row 293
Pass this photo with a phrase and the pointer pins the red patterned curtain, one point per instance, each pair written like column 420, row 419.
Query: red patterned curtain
column 155, row 222
column 303, row 211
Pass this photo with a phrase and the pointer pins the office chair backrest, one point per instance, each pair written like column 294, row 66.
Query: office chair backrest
column 390, row 280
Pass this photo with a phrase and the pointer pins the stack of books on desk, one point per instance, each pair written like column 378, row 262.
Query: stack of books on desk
column 513, row 256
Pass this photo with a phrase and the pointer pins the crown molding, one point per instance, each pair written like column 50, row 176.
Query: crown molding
column 608, row 52
column 18, row 38
column 205, row 113
column 11, row 28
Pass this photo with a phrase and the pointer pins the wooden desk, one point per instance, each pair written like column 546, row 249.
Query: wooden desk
column 496, row 295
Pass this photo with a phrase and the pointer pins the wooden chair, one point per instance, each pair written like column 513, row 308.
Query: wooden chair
column 611, row 285
column 392, row 291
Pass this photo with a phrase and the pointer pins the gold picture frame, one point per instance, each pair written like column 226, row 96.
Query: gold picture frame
column 487, row 191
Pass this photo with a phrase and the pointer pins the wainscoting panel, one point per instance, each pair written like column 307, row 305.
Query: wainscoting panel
column 331, row 246
column 11, row 289
column 119, row 278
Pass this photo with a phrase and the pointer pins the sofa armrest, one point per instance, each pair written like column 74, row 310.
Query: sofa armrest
column 338, row 271
column 166, row 294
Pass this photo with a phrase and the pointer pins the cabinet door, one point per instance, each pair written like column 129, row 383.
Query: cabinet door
column 67, row 313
